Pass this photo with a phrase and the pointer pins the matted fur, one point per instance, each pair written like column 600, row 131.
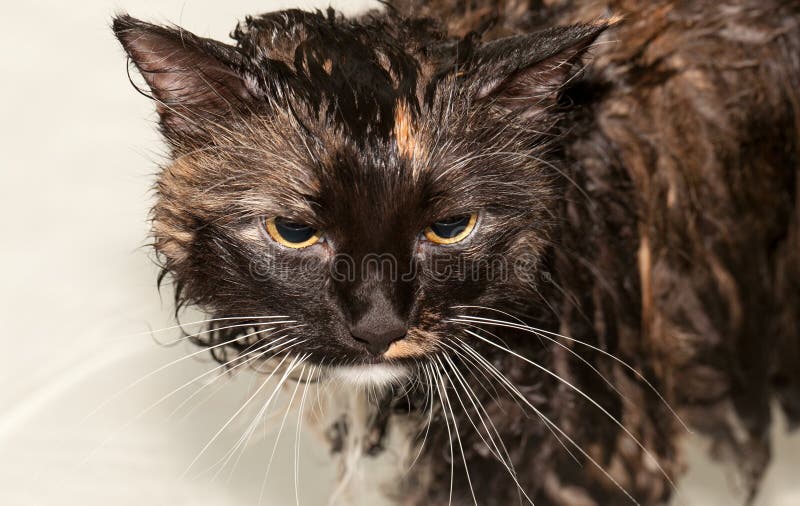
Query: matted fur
column 656, row 192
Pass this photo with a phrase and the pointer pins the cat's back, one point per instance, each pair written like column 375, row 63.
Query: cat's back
column 702, row 113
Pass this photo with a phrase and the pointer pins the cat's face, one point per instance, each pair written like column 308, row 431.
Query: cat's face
column 362, row 181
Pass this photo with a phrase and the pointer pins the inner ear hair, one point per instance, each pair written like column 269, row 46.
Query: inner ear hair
column 189, row 76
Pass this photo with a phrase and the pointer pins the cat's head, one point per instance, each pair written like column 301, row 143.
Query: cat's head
column 361, row 179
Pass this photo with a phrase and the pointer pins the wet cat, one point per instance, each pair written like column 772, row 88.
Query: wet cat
column 533, row 238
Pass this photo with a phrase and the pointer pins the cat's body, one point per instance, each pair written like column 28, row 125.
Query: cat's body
column 655, row 199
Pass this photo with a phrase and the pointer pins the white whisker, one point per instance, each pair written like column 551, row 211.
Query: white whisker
column 523, row 326
column 438, row 380
column 562, row 345
column 455, row 427
column 277, row 439
column 429, row 396
column 217, row 329
column 297, row 435
column 277, row 345
column 166, row 366
column 247, row 434
column 295, row 362
column 585, row 396
column 505, row 459
column 512, row 389
column 197, row 322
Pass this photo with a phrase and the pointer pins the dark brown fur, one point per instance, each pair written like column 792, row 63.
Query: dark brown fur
column 691, row 159
column 670, row 237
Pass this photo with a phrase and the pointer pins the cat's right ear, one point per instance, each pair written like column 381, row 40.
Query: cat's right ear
column 191, row 78
column 523, row 74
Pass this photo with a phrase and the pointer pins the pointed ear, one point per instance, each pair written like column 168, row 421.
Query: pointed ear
column 523, row 74
column 190, row 77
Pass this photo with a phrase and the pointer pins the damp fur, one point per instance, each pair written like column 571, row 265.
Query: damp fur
column 649, row 171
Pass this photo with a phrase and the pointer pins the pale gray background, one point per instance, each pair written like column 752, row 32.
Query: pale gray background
column 78, row 151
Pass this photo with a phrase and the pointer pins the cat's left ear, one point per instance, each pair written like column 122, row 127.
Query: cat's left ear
column 191, row 78
column 524, row 74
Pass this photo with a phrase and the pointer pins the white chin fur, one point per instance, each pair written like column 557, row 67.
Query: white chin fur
column 371, row 375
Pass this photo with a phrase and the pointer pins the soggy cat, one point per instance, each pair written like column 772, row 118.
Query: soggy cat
column 521, row 223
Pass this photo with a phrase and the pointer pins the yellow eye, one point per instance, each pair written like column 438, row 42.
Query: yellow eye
column 451, row 230
column 292, row 234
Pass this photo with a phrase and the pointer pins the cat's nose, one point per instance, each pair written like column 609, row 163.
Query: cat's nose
column 378, row 334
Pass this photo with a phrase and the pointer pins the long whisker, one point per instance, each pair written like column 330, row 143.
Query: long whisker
column 455, row 427
column 481, row 412
column 321, row 369
column 163, row 367
column 217, row 329
column 296, row 361
column 277, row 345
column 510, row 386
column 297, row 435
column 492, row 447
column 225, row 458
column 585, row 396
column 255, row 356
column 523, row 326
column 429, row 399
column 247, row 434
column 197, row 322
column 567, row 348
column 494, row 394
column 438, row 380
column 478, row 360
column 277, row 439
column 139, row 415
column 238, row 361
column 240, row 445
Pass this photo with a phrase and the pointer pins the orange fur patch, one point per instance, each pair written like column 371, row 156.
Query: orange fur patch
column 645, row 276
column 404, row 130
column 415, row 345
column 403, row 348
